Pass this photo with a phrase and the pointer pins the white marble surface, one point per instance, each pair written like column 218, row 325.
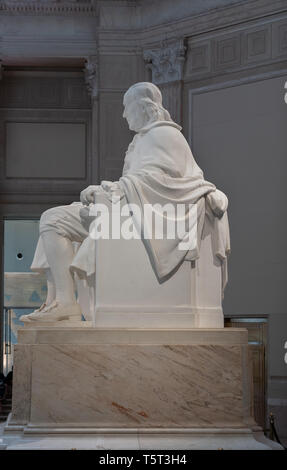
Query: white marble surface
column 181, row 389
column 83, row 333
column 161, row 238
column 242, row 439
column 218, row 439
column 191, row 298
column 184, row 301
column 144, row 385
column 89, row 378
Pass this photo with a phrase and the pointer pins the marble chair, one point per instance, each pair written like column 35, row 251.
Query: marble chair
column 125, row 292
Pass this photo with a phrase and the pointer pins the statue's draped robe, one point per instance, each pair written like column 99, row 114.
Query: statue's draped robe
column 160, row 169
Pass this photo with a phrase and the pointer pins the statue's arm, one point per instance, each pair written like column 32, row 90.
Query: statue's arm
column 87, row 196
column 111, row 189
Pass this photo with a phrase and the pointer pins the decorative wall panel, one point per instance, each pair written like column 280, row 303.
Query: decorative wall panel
column 45, row 150
column 226, row 52
column 279, row 39
column 74, row 94
column 14, row 93
column 45, row 135
column 217, row 53
column 43, row 92
column 257, row 45
column 198, row 60
column 239, row 140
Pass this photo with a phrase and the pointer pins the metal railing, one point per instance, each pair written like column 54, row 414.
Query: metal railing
column 7, row 340
column 272, row 432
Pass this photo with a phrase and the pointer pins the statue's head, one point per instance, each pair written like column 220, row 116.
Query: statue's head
column 143, row 106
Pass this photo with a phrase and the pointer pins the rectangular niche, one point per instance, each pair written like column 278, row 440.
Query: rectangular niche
column 45, row 150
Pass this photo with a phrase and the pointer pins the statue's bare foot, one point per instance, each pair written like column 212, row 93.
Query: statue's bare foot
column 55, row 312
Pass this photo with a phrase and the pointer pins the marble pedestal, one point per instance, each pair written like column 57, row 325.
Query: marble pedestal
column 132, row 389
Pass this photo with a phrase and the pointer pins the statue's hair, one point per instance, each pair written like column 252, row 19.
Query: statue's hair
column 150, row 97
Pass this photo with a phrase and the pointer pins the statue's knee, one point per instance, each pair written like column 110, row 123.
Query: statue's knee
column 49, row 218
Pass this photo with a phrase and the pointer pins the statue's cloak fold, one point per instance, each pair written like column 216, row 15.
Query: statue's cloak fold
column 160, row 169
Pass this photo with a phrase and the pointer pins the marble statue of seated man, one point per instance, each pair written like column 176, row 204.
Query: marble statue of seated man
column 159, row 168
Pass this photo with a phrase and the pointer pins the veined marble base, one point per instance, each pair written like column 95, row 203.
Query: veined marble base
column 143, row 388
column 136, row 439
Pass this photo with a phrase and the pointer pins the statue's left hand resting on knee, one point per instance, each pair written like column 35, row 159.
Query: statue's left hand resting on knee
column 159, row 168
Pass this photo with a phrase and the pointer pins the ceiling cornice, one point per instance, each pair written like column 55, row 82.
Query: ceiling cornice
column 49, row 7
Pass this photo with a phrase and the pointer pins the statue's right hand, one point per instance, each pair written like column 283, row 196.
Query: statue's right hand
column 218, row 202
column 88, row 195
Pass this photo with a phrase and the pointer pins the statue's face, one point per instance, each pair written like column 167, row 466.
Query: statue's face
column 133, row 112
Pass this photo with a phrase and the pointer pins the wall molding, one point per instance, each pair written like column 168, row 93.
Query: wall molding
column 106, row 36
column 52, row 121
column 14, row 186
column 236, row 49
column 67, row 7
column 227, row 84
column 39, row 91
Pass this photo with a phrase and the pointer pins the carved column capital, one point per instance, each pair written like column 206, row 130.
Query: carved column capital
column 91, row 76
column 166, row 62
